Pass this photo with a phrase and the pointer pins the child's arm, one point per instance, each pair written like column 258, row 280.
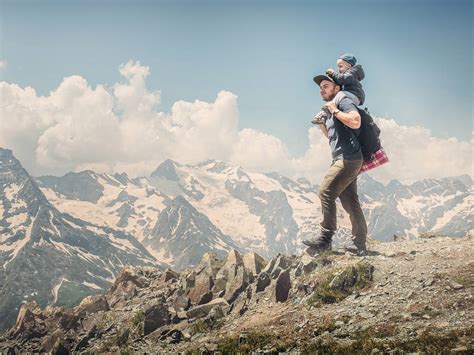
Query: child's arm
column 350, row 77
column 346, row 78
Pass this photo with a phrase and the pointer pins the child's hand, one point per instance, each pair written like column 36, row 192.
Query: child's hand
column 330, row 72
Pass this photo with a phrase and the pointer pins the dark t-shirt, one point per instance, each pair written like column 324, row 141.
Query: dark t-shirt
column 342, row 140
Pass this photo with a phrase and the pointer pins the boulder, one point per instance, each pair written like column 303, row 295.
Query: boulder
column 182, row 302
column 263, row 280
column 207, row 297
column 129, row 275
column 202, row 287
column 232, row 262
column 283, row 286
column 155, row 316
column 169, row 275
column 124, row 291
column 279, row 261
column 29, row 323
column 203, row 310
column 306, row 265
column 210, row 264
column 237, row 284
column 254, row 262
column 93, row 304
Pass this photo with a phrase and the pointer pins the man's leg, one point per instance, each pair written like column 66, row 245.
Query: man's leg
column 339, row 176
column 350, row 203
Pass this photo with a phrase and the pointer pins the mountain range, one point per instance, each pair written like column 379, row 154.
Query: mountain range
column 63, row 238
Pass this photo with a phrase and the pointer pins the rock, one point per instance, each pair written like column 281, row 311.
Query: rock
column 69, row 320
column 59, row 348
column 279, row 261
column 456, row 285
column 189, row 281
column 155, row 316
column 254, row 262
column 50, row 340
column 235, row 285
column 203, row 310
column 276, row 272
column 83, row 342
column 204, row 284
column 232, row 262
column 121, row 292
column 216, row 313
column 182, row 302
column 263, row 280
column 169, row 275
column 207, row 297
column 348, row 278
column 219, row 285
column 129, row 275
column 283, row 286
column 29, row 323
column 306, row 265
column 210, row 264
column 93, row 304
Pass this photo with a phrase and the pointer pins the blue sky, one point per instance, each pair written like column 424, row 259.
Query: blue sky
column 417, row 55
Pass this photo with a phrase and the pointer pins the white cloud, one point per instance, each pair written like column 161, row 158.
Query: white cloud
column 3, row 64
column 77, row 127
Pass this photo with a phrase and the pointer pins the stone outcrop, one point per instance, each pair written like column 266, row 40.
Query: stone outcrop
column 167, row 306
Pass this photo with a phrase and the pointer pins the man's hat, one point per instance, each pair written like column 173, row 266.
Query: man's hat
column 318, row 78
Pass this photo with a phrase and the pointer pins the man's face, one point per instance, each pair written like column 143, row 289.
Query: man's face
column 328, row 90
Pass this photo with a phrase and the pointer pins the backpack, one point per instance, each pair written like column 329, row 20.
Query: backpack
column 368, row 135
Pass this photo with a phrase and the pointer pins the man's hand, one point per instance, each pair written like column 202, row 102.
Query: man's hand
column 331, row 106
column 330, row 72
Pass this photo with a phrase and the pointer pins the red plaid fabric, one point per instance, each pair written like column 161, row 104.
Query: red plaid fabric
column 377, row 159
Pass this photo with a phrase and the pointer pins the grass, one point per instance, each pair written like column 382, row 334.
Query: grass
column 357, row 277
column 205, row 326
column 430, row 341
column 272, row 344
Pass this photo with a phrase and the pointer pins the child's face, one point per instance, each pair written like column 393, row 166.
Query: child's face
column 343, row 66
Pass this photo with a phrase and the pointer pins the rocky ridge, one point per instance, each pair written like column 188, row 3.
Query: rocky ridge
column 404, row 296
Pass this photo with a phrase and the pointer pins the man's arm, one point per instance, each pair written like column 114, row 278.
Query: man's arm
column 323, row 129
column 351, row 119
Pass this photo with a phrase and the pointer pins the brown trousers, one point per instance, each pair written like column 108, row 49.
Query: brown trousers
column 341, row 181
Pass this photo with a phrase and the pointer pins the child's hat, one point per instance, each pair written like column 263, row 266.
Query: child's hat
column 349, row 58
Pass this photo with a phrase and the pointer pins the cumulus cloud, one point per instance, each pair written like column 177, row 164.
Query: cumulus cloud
column 78, row 127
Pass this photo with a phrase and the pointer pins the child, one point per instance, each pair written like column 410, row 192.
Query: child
column 348, row 77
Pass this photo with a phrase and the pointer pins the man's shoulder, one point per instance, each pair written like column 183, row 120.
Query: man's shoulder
column 346, row 105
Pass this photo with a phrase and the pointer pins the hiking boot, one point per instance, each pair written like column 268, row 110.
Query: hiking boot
column 320, row 118
column 320, row 243
column 326, row 111
column 355, row 249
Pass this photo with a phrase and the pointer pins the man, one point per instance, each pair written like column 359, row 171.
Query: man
column 340, row 127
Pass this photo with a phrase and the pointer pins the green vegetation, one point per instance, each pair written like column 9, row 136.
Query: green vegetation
column 430, row 341
column 245, row 344
column 349, row 279
column 205, row 325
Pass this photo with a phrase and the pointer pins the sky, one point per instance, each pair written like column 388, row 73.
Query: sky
column 257, row 57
